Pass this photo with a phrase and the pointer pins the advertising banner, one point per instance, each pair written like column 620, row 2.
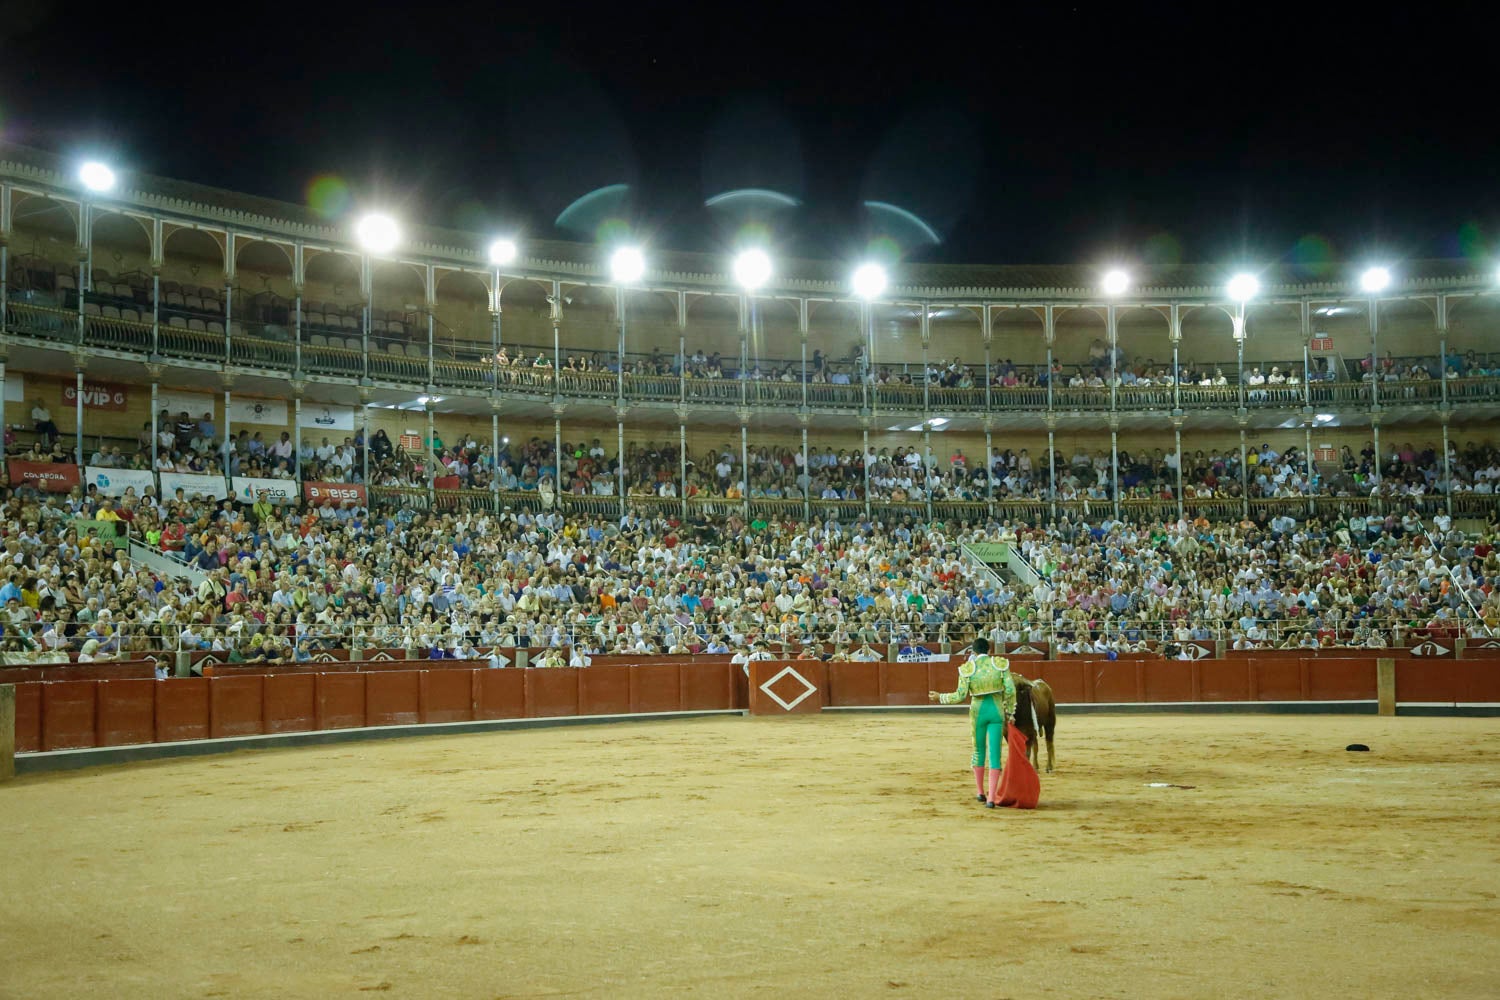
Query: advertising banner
column 268, row 412
column 96, row 395
column 193, row 485
column 920, row 655
column 114, row 482
column 328, row 418
column 44, row 475
column 175, row 402
column 247, row 489
column 337, row 492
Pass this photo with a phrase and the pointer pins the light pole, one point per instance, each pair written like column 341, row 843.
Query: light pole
column 1372, row 282
column 627, row 265
column 1114, row 284
column 503, row 253
column 1242, row 288
column 752, row 269
column 869, row 283
column 377, row 234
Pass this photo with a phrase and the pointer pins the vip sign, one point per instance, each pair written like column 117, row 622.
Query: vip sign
column 95, row 395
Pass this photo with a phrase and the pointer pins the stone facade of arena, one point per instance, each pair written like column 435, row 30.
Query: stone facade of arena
column 165, row 287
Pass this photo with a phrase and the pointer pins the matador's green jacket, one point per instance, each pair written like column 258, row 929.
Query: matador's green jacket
column 984, row 675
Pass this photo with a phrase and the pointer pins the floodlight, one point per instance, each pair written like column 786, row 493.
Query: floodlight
column 502, row 252
column 1243, row 287
column 1116, row 282
column 1374, row 280
column 869, row 281
column 378, row 233
column 96, row 176
column 752, row 269
column 627, row 265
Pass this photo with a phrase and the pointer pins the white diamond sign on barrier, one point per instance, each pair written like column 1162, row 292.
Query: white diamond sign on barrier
column 809, row 689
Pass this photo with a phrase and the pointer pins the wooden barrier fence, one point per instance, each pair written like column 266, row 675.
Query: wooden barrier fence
column 252, row 700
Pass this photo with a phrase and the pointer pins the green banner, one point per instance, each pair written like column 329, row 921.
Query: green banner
column 110, row 531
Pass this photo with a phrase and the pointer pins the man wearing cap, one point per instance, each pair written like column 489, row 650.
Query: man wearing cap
column 986, row 682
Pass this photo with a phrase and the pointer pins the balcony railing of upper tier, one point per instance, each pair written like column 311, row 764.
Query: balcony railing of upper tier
column 107, row 324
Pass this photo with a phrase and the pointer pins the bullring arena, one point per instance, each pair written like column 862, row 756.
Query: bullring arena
column 423, row 613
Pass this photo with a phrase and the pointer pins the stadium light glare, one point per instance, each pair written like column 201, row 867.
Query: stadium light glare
column 503, row 252
column 1374, row 280
column 1244, row 287
column 1116, row 282
column 869, row 281
column 752, row 268
column 96, row 176
column 378, row 233
column 627, row 265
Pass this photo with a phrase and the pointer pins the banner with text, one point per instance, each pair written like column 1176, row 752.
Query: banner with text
column 96, row 395
column 195, row 404
column 337, row 492
column 269, row 412
column 193, row 485
column 44, row 475
column 921, row 655
column 247, row 489
column 114, row 482
column 328, row 418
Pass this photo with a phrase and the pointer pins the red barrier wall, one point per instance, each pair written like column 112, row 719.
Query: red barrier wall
column 1444, row 682
column 552, row 693
column 182, row 709
column 604, row 690
column 501, row 694
column 341, row 700
column 126, row 712
column 1222, row 680
column 854, row 684
column 28, row 718
column 78, row 671
column 709, row 687
column 68, row 709
column 57, row 715
column 448, row 695
column 656, row 687
column 291, row 702
column 236, row 706
column 393, row 698
column 905, row 683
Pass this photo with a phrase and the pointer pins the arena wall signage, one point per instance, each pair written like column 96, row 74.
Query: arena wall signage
column 270, row 412
column 247, row 489
column 96, row 395
column 193, row 485
column 328, row 418
column 44, row 476
column 194, row 404
column 114, row 482
column 337, row 492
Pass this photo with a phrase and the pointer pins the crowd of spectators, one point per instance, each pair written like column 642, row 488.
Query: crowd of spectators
column 282, row 584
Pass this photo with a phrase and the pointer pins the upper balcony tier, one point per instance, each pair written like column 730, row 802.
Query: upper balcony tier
column 195, row 278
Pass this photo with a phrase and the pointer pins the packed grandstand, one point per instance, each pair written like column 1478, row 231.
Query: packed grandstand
column 275, row 444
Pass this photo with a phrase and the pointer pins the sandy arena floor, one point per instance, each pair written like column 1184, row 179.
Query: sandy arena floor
column 841, row 856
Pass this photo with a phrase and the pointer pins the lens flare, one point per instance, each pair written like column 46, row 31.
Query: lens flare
column 1162, row 253
column 328, row 196
column 1312, row 256
column 1471, row 241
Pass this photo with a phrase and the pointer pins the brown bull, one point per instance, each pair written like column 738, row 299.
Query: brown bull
column 1035, row 710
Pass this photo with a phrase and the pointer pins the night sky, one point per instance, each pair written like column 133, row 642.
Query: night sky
column 1061, row 134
